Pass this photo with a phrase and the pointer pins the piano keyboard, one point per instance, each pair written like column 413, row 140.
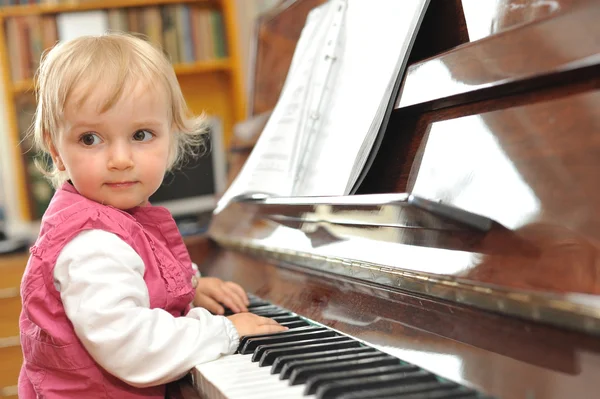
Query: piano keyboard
column 313, row 361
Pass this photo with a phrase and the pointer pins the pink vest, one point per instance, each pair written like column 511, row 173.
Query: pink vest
column 55, row 363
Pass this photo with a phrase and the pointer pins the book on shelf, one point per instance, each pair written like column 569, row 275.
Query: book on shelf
column 187, row 34
column 26, row 38
column 338, row 95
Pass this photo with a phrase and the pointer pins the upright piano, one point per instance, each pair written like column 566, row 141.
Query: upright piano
column 470, row 251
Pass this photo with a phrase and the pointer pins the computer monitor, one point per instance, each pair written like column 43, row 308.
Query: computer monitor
column 193, row 189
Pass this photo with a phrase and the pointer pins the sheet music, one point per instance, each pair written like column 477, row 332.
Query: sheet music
column 270, row 167
column 320, row 82
column 333, row 102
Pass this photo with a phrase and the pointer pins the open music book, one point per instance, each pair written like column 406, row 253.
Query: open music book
column 346, row 66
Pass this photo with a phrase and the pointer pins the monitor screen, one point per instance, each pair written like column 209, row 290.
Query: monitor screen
column 193, row 188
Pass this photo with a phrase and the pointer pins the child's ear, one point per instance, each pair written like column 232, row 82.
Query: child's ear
column 54, row 153
column 59, row 165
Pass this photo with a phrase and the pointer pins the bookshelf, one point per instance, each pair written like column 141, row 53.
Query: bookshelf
column 210, row 82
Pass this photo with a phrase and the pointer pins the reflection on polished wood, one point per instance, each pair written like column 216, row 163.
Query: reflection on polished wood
column 530, row 168
column 278, row 31
column 515, row 61
column 484, row 19
column 504, row 356
column 499, row 116
column 564, row 262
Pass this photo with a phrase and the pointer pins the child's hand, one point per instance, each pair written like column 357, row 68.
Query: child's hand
column 212, row 293
column 249, row 323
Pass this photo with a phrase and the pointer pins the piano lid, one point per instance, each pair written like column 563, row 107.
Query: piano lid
column 518, row 148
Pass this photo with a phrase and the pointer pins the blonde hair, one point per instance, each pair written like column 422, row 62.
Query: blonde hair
column 117, row 60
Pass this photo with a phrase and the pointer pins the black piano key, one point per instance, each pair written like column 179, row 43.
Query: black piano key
column 289, row 367
column 257, row 305
column 256, row 301
column 264, row 307
column 270, row 355
column 283, row 319
column 252, row 343
column 280, row 333
column 413, row 376
column 272, row 314
column 262, row 349
column 331, row 385
column 300, row 375
column 398, row 391
column 283, row 361
column 295, row 324
column 268, row 309
column 253, row 309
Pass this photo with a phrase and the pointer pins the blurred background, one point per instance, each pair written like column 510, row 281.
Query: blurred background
column 210, row 43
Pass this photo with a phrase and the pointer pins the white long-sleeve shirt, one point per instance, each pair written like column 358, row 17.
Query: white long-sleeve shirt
column 101, row 284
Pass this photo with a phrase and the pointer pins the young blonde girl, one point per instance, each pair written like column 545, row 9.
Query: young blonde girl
column 107, row 290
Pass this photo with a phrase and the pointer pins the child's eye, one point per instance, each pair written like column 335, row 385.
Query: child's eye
column 89, row 139
column 142, row 135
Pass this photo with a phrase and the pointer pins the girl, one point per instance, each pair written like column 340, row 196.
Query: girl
column 107, row 290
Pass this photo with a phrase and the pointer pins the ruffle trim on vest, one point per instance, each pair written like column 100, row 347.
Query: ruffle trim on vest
column 160, row 220
column 167, row 227
column 176, row 284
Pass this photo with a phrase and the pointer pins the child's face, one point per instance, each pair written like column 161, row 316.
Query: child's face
column 118, row 157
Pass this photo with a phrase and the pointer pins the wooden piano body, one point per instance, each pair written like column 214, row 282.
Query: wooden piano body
column 499, row 115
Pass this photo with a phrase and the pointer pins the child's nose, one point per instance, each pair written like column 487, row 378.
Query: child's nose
column 120, row 157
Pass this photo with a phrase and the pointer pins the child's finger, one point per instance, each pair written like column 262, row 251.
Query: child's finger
column 267, row 321
column 229, row 300
column 210, row 304
column 240, row 291
column 235, row 297
column 269, row 328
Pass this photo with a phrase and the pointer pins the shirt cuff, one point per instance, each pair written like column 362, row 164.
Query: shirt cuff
column 195, row 269
column 232, row 333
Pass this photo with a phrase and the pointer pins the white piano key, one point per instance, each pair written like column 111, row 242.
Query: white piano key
column 237, row 377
